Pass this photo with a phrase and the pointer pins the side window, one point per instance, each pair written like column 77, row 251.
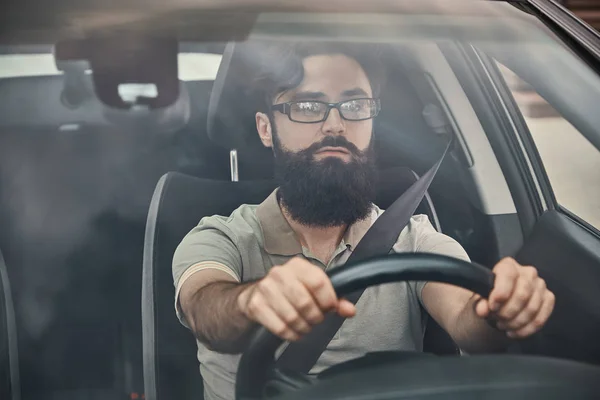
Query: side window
column 570, row 160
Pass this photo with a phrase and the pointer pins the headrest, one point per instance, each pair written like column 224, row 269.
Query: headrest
column 69, row 102
column 234, row 98
column 401, row 131
column 232, row 104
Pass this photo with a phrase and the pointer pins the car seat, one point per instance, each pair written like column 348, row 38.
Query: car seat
column 10, row 386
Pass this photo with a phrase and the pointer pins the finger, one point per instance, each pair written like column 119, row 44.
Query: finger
column 521, row 295
column 286, row 308
column 297, row 295
column 530, row 311
column 482, row 308
column 346, row 309
column 320, row 287
column 539, row 320
column 260, row 312
column 506, row 272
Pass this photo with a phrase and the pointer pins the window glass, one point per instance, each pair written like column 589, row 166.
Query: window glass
column 571, row 162
column 192, row 66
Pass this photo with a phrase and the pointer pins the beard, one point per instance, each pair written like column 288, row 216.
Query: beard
column 328, row 192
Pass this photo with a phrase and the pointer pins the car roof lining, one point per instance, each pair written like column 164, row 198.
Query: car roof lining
column 222, row 22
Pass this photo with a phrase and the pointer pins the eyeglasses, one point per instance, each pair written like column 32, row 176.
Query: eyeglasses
column 313, row 111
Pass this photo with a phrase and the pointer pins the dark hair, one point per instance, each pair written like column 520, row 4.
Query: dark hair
column 281, row 67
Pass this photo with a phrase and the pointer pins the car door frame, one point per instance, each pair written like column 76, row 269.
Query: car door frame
column 556, row 239
column 585, row 42
column 515, row 148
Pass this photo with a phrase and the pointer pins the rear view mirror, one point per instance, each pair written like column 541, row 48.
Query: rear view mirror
column 128, row 70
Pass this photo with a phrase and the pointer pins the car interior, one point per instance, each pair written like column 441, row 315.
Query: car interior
column 180, row 201
column 94, row 198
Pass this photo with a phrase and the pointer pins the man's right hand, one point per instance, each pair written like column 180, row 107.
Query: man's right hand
column 291, row 299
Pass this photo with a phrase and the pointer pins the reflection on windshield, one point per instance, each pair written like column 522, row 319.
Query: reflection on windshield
column 76, row 179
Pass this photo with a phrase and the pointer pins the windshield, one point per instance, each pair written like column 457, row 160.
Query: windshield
column 85, row 139
column 32, row 61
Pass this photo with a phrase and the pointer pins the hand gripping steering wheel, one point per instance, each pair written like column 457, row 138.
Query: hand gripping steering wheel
column 257, row 362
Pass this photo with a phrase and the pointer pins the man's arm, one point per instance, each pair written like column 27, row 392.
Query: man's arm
column 454, row 309
column 288, row 301
column 520, row 304
column 208, row 300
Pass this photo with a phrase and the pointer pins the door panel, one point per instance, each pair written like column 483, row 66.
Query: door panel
column 567, row 256
column 564, row 248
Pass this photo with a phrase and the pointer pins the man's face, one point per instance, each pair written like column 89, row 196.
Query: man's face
column 329, row 78
column 325, row 170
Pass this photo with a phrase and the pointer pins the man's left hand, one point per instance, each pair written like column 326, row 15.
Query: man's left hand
column 520, row 303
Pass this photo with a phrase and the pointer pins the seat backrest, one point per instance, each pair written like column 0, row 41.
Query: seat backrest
column 10, row 386
column 178, row 204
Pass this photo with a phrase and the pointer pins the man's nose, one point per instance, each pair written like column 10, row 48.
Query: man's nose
column 334, row 124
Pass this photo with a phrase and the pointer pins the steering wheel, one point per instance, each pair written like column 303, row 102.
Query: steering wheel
column 257, row 362
column 473, row 377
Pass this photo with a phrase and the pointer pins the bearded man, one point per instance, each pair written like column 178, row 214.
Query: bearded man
column 265, row 264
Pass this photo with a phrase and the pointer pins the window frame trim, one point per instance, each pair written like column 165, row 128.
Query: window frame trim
column 520, row 132
column 477, row 87
column 523, row 136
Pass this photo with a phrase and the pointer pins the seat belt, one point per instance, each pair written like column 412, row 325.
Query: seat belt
column 302, row 355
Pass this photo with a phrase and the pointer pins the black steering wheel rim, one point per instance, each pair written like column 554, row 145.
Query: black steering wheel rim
column 258, row 360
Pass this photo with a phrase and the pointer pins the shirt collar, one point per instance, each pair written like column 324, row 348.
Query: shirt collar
column 280, row 238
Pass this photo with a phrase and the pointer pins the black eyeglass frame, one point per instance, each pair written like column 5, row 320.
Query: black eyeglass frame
column 286, row 108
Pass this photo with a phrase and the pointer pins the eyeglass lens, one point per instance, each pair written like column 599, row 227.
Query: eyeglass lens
column 314, row 111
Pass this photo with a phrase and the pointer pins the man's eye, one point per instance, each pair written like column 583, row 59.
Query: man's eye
column 307, row 107
column 353, row 106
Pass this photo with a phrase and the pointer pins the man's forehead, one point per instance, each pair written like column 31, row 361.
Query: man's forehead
column 331, row 75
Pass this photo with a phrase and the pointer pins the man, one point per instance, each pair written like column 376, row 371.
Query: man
column 265, row 263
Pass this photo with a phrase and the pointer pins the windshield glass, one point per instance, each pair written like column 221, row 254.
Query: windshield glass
column 85, row 139
column 192, row 66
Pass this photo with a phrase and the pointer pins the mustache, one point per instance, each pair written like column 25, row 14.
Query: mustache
column 334, row 141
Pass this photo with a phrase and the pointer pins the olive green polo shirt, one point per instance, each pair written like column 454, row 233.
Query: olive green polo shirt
column 254, row 238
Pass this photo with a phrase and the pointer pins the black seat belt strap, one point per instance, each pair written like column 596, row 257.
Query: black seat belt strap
column 302, row 355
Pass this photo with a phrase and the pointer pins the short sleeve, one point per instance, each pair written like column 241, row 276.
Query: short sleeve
column 210, row 245
column 431, row 241
column 428, row 240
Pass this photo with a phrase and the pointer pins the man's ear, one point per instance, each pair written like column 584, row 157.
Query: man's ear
column 263, row 126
